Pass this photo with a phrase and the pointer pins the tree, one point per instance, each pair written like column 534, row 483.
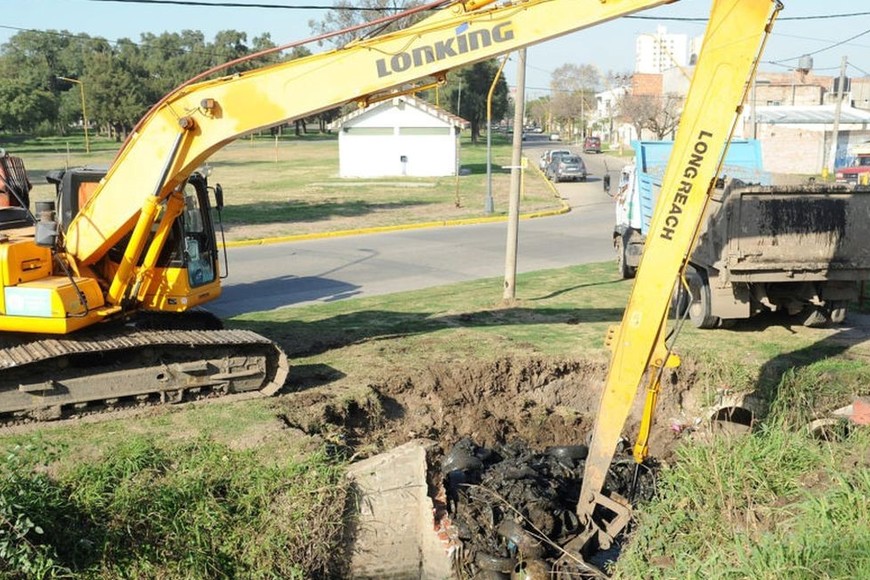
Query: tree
column 29, row 66
column 540, row 112
column 658, row 114
column 114, row 91
column 468, row 99
column 574, row 88
column 664, row 123
column 348, row 13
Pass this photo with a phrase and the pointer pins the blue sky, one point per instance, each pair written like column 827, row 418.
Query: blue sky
column 609, row 46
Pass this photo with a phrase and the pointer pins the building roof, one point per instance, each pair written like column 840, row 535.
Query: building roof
column 420, row 104
column 810, row 115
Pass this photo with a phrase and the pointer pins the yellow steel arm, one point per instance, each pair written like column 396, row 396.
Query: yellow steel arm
column 733, row 42
column 216, row 112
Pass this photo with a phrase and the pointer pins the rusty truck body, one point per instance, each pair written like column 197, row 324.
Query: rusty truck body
column 799, row 249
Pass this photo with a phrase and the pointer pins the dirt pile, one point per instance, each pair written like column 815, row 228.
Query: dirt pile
column 540, row 401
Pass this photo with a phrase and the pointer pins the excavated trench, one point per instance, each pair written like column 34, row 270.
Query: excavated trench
column 505, row 465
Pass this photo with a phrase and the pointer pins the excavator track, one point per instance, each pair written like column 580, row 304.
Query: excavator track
column 56, row 378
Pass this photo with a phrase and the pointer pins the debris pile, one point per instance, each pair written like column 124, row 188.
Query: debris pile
column 514, row 508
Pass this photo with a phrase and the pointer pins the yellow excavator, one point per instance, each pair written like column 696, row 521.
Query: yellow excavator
column 101, row 289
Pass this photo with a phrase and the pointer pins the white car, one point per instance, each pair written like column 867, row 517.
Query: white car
column 547, row 157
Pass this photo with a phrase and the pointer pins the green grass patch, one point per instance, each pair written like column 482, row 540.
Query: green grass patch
column 143, row 507
column 778, row 504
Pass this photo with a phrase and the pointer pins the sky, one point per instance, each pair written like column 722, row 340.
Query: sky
column 609, row 46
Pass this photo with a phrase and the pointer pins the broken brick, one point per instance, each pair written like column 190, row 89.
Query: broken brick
column 861, row 411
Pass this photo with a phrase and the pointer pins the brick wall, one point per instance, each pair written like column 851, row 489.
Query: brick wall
column 646, row 84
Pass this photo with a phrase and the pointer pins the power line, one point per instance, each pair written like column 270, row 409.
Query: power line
column 386, row 9
column 860, row 70
column 836, row 44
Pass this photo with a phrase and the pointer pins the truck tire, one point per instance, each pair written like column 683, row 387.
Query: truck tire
column 813, row 317
column 625, row 271
column 838, row 311
column 700, row 309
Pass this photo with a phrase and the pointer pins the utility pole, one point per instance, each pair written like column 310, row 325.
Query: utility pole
column 835, row 131
column 510, row 254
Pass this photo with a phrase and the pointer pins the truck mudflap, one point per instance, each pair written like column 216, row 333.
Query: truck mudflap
column 57, row 378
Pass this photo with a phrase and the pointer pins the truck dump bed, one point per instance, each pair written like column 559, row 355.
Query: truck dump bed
column 809, row 232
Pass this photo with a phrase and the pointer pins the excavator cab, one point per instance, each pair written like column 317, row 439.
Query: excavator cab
column 186, row 272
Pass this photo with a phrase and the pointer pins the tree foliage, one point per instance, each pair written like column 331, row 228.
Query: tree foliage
column 539, row 112
column 121, row 80
column 657, row 114
column 350, row 13
column 573, row 87
column 468, row 97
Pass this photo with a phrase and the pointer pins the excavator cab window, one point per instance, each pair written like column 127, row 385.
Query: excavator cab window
column 198, row 239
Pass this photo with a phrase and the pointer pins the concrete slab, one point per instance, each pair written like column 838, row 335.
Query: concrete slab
column 396, row 534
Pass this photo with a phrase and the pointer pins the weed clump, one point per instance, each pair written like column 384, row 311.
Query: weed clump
column 193, row 509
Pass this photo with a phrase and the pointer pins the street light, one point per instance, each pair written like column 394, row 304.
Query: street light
column 488, row 204
column 84, row 111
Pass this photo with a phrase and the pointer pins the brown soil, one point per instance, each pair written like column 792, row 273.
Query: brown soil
column 538, row 400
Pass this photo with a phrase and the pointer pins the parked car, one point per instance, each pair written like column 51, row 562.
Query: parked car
column 592, row 145
column 566, row 168
column 548, row 156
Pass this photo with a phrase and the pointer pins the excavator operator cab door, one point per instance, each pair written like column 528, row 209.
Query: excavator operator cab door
column 199, row 248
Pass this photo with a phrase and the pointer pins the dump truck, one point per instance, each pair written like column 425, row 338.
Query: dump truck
column 761, row 247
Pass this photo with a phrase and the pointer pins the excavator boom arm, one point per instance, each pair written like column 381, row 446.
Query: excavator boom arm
column 210, row 114
column 729, row 55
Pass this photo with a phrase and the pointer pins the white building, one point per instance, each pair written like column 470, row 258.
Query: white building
column 402, row 136
column 606, row 114
column 655, row 53
column 798, row 139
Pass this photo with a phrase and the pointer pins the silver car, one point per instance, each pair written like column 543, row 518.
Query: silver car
column 566, row 168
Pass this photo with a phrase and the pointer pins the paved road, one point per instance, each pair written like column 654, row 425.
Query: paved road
column 298, row 273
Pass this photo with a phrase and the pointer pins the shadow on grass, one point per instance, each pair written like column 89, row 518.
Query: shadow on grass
column 301, row 211
column 830, row 392
column 74, row 144
column 577, row 287
column 301, row 338
column 480, row 168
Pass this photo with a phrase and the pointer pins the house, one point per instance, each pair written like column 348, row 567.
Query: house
column 402, row 136
column 798, row 139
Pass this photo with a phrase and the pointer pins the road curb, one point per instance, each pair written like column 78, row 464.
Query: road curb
column 382, row 229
